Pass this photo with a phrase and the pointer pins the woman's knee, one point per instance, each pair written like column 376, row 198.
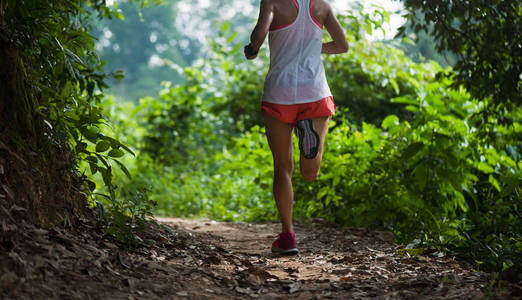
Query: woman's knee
column 310, row 175
column 284, row 168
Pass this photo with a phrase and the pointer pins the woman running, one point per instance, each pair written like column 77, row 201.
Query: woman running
column 296, row 93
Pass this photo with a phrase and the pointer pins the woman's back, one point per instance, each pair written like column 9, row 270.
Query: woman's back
column 296, row 73
column 285, row 11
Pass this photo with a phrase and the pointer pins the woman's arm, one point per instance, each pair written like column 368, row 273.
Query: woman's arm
column 334, row 28
column 266, row 15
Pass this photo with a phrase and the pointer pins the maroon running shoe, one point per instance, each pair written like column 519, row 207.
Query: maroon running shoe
column 285, row 244
column 308, row 138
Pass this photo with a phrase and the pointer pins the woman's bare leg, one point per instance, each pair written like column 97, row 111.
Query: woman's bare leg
column 310, row 167
column 279, row 136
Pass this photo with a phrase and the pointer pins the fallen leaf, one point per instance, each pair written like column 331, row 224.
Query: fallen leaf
column 412, row 252
column 8, row 191
column 123, row 261
column 255, row 279
column 182, row 294
column 16, row 208
column 294, row 287
column 243, row 290
column 422, row 258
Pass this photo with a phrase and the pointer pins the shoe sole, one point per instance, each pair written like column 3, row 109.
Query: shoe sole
column 308, row 139
column 292, row 251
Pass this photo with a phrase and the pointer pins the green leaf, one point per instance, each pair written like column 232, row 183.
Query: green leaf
column 512, row 151
column 236, row 48
column 106, row 175
column 506, row 265
column 127, row 149
column 461, row 201
column 418, row 176
column 103, row 146
column 231, row 37
column 116, row 153
column 90, row 134
column 412, row 149
column 485, row 167
column 494, row 182
column 103, row 160
column 369, row 27
column 92, row 159
column 80, row 147
column 405, row 100
column 101, row 209
column 412, row 251
column 225, row 26
column 451, row 232
column 390, row 121
column 91, row 184
column 94, row 168
column 407, row 40
column 395, row 86
column 124, row 169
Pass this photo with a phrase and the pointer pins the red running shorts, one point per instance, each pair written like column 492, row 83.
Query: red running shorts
column 291, row 113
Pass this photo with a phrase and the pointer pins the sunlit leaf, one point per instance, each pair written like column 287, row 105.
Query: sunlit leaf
column 485, row 167
column 124, row 169
column 116, row 153
column 494, row 182
column 390, row 121
column 103, row 146
column 404, row 100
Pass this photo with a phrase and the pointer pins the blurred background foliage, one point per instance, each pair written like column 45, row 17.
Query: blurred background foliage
column 406, row 150
column 141, row 41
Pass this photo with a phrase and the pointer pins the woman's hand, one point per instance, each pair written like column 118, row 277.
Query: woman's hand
column 249, row 52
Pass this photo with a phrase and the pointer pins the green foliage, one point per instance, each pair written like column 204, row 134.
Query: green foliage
column 371, row 73
column 128, row 215
column 236, row 85
column 60, row 81
column 486, row 37
column 421, row 47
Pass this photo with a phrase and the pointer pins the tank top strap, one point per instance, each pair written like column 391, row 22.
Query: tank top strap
column 301, row 6
column 303, row 3
column 308, row 6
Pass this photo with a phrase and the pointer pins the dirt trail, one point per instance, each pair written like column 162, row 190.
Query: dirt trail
column 333, row 263
column 188, row 259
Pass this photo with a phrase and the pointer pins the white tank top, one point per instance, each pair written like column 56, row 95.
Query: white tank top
column 296, row 74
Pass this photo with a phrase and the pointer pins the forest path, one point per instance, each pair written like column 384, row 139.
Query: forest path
column 190, row 259
column 334, row 262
